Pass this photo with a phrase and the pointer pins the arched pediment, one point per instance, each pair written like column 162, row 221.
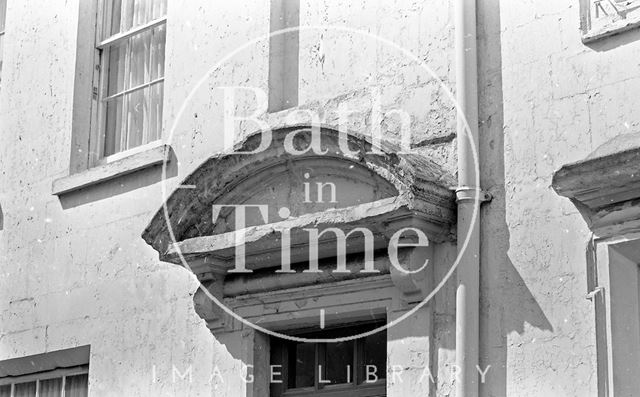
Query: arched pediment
column 290, row 184
column 370, row 183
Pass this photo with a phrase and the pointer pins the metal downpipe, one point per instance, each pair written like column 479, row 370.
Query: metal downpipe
column 468, row 197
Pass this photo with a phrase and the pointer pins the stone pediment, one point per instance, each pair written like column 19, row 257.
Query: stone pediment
column 375, row 187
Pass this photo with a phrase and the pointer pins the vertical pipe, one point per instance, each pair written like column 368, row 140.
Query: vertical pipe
column 468, row 196
column 284, row 51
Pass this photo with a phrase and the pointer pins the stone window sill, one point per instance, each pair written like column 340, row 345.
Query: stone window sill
column 108, row 171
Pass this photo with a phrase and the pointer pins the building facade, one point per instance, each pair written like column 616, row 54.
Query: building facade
column 133, row 131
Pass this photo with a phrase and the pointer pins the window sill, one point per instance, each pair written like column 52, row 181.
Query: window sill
column 106, row 172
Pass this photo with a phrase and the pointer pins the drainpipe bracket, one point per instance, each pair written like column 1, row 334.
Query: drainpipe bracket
column 466, row 193
column 592, row 294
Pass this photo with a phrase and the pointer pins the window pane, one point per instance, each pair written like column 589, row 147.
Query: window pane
column 117, row 64
column 27, row 389
column 142, row 123
column 141, row 12
column 5, row 391
column 374, row 350
column 159, row 9
column 339, row 362
column 112, row 26
column 155, row 119
column 76, row 386
column 129, row 14
column 50, row 387
column 135, row 111
column 123, row 15
column 302, row 359
column 129, row 64
column 157, row 51
column 113, row 126
column 139, row 68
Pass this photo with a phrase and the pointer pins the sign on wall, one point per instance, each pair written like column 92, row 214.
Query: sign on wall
column 601, row 18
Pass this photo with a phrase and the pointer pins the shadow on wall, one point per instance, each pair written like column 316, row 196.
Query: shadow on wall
column 520, row 303
column 506, row 303
column 615, row 41
column 120, row 185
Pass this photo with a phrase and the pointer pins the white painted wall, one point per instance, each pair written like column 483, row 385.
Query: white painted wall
column 82, row 275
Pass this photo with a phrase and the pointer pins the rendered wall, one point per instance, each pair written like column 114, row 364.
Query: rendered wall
column 74, row 269
column 559, row 100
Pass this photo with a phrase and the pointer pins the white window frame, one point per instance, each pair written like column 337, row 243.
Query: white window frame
column 100, row 78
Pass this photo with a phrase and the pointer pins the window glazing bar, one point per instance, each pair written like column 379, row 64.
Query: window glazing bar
column 133, row 89
column 116, row 38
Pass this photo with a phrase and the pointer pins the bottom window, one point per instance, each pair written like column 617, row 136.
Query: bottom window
column 54, row 374
column 47, row 385
column 354, row 368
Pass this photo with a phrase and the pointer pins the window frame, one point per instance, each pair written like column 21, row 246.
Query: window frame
column 97, row 134
column 62, row 373
column 356, row 388
column 616, row 300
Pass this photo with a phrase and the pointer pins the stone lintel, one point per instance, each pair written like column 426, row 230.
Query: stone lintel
column 263, row 247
